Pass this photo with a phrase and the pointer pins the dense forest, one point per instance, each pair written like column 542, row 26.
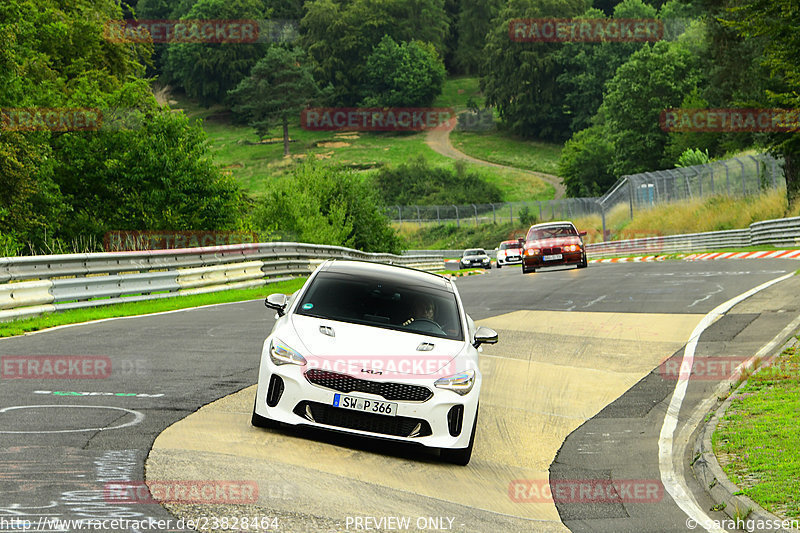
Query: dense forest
column 148, row 168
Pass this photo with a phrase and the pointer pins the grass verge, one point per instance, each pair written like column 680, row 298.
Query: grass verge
column 75, row 316
column 504, row 149
column 757, row 439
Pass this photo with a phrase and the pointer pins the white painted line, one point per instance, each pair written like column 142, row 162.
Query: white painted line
column 138, row 417
column 674, row 483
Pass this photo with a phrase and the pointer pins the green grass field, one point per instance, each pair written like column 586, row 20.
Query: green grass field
column 255, row 164
column 458, row 90
column 757, row 439
column 499, row 147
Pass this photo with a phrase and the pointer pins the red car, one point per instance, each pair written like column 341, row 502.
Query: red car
column 553, row 244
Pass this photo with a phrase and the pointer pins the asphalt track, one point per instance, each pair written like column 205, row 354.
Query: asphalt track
column 576, row 390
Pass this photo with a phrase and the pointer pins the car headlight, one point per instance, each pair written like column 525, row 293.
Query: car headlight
column 460, row 383
column 281, row 354
column 532, row 251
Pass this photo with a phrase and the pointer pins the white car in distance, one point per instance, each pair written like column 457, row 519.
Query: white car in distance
column 374, row 350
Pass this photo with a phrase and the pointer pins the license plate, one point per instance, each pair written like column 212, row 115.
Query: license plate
column 554, row 257
column 363, row 404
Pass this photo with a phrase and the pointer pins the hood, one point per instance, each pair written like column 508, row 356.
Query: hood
column 353, row 348
column 555, row 241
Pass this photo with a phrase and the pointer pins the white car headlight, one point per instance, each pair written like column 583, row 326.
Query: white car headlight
column 281, row 354
column 460, row 383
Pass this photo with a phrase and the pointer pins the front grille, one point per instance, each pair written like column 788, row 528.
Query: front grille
column 398, row 426
column 548, row 251
column 387, row 389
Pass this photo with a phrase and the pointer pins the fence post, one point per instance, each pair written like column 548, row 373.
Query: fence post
column 458, row 222
column 476, row 213
column 744, row 185
column 494, row 216
column 400, row 213
column 630, row 196
column 419, row 220
column 511, row 213
column 603, row 217
column 438, row 220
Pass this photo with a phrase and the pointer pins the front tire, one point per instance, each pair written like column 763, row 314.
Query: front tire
column 460, row 456
column 584, row 263
column 527, row 270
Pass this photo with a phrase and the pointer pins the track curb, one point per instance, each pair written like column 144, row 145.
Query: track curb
column 708, row 472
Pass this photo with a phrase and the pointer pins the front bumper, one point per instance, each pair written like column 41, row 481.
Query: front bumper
column 476, row 264
column 567, row 258
column 509, row 260
column 427, row 423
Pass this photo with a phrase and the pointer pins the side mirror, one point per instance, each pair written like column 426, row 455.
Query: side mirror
column 582, row 233
column 484, row 335
column 276, row 302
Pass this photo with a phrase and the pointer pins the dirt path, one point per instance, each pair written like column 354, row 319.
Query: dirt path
column 439, row 141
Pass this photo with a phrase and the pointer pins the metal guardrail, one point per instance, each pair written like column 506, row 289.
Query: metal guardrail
column 37, row 284
column 671, row 244
column 778, row 232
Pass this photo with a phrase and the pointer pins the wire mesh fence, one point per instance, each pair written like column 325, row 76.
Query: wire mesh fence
column 741, row 176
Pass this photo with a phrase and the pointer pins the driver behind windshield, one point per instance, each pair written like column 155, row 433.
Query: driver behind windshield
column 423, row 308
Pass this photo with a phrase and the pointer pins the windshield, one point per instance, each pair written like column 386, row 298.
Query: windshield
column 475, row 252
column 507, row 245
column 383, row 304
column 551, row 232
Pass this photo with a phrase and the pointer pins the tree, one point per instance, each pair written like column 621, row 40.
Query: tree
column 415, row 182
column 157, row 176
column 520, row 77
column 777, row 24
column 207, row 71
column 655, row 78
column 585, row 163
column 340, row 36
column 474, row 22
column 588, row 66
column 322, row 204
column 403, row 75
column 278, row 88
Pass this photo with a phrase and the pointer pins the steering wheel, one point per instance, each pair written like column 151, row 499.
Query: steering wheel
column 427, row 321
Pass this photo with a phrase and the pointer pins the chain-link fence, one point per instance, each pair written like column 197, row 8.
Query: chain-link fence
column 742, row 176
column 493, row 213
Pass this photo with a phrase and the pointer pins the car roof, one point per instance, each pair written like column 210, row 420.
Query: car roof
column 391, row 273
column 513, row 241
